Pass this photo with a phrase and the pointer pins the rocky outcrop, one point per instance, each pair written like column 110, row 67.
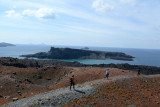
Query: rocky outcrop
column 68, row 53
column 85, row 48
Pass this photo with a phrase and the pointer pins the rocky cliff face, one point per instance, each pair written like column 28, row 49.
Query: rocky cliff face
column 67, row 53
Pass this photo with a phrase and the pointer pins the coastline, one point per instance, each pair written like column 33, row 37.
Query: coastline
column 148, row 57
column 24, row 63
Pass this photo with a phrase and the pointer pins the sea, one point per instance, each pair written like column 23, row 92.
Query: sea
column 149, row 57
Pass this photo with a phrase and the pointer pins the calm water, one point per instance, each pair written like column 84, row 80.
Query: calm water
column 142, row 56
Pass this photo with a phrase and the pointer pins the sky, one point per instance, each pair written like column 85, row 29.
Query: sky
column 101, row 23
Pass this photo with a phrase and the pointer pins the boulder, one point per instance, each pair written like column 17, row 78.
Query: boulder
column 15, row 99
column 6, row 97
column 48, row 78
column 14, row 73
column 28, row 80
column 39, row 76
column 17, row 85
column 19, row 92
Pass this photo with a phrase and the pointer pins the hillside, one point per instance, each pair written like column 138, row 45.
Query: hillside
column 68, row 53
column 122, row 90
column 128, row 92
column 28, row 78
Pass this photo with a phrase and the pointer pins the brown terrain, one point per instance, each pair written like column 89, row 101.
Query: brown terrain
column 137, row 92
column 16, row 82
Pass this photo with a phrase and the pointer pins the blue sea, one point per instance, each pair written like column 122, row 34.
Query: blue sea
column 150, row 57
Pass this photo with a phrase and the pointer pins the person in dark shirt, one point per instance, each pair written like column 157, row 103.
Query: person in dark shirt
column 139, row 72
column 72, row 82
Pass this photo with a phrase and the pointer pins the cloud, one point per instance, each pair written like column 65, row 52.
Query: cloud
column 128, row 1
column 13, row 14
column 102, row 6
column 42, row 13
column 29, row 12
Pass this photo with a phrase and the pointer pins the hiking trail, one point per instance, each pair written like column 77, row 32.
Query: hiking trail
column 64, row 95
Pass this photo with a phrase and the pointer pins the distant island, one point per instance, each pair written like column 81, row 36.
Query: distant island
column 68, row 53
column 85, row 48
column 3, row 44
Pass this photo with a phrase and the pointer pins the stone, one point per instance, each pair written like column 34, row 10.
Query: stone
column 39, row 76
column 19, row 92
column 6, row 97
column 48, row 78
column 17, row 85
column 20, row 81
column 28, row 80
column 14, row 73
column 39, row 100
column 15, row 99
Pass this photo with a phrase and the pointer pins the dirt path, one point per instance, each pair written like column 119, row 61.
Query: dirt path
column 64, row 95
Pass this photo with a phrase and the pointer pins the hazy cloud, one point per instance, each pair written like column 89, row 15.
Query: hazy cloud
column 45, row 13
column 29, row 12
column 101, row 5
column 42, row 13
column 13, row 14
column 128, row 1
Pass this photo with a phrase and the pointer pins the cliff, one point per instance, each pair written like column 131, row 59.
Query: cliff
column 68, row 53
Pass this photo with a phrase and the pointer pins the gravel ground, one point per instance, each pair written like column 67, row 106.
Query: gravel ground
column 64, row 95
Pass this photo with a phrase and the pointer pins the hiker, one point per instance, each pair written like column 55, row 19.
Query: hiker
column 72, row 82
column 107, row 73
column 138, row 72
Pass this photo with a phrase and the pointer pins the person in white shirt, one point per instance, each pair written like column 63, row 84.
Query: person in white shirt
column 107, row 73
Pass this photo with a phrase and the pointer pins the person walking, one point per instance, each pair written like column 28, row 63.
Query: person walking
column 107, row 73
column 138, row 73
column 72, row 82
